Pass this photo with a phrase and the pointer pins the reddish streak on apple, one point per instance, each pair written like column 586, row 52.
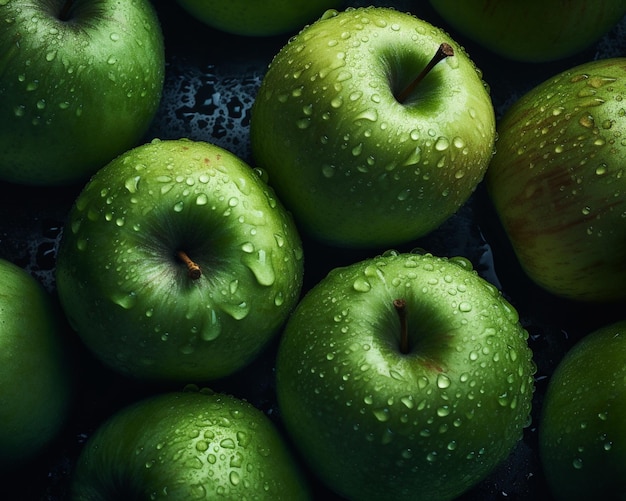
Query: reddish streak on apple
column 400, row 306
column 193, row 270
column 443, row 51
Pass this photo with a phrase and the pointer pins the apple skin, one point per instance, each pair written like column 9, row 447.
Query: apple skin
column 356, row 167
column 532, row 30
column 257, row 19
column 75, row 93
column 131, row 299
column 375, row 423
column 582, row 431
column 36, row 386
column 187, row 445
column 557, row 184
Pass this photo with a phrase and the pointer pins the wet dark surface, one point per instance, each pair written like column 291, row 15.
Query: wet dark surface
column 211, row 83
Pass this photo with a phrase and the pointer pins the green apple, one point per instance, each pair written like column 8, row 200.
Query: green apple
column 532, row 30
column 371, row 134
column 256, row 18
column 582, row 431
column 80, row 82
column 177, row 262
column 557, row 181
column 35, row 379
column 404, row 375
column 187, row 445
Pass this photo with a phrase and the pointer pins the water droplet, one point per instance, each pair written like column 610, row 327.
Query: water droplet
column 126, row 301
column 602, row 169
column 260, row 264
column 381, row 415
column 303, row 123
column 408, row 401
column 404, row 194
column 370, row 115
column 237, row 311
column 343, row 76
column 442, row 144
column 443, row 381
column 465, row 307
column 443, row 411
column 328, row 171
column 361, row 285
column 236, row 460
column 577, row 464
column 336, row 102
column 503, row 400
column 212, row 329
column 132, row 184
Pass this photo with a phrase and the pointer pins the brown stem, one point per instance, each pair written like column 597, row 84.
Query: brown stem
column 400, row 306
column 443, row 51
column 193, row 270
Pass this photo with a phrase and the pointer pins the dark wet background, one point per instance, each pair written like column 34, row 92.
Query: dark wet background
column 211, row 82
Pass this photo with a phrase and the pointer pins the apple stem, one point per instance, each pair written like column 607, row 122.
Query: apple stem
column 193, row 270
column 400, row 306
column 443, row 51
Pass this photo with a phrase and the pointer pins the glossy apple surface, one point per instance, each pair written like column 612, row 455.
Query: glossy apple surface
column 375, row 419
column 357, row 167
column 127, row 289
column 582, row 432
column 187, row 445
column 35, row 378
column 255, row 18
column 532, row 30
column 80, row 81
column 557, row 181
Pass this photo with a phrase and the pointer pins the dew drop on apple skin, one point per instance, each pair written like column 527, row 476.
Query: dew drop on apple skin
column 260, row 263
column 211, row 330
column 361, row 285
column 126, row 301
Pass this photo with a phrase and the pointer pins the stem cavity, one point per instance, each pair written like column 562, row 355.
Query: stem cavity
column 400, row 306
column 445, row 50
column 193, row 269
column 66, row 10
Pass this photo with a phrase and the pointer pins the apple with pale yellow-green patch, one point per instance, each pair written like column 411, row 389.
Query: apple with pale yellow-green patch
column 374, row 127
